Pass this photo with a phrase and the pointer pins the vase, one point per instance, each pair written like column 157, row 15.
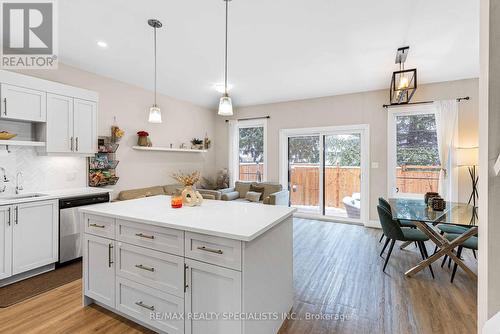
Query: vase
column 142, row 141
column 191, row 197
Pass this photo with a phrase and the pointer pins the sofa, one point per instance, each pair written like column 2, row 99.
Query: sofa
column 273, row 193
column 170, row 189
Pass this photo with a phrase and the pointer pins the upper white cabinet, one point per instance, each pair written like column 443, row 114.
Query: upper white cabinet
column 23, row 104
column 71, row 125
column 59, row 124
column 63, row 118
column 5, row 242
column 85, row 122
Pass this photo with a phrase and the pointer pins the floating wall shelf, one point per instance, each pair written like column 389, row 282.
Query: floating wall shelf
column 21, row 143
column 167, row 149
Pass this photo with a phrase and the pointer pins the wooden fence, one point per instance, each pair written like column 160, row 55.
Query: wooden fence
column 343, row 181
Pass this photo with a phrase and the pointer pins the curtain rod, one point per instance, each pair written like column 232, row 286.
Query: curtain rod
column 460, row 99
column 250, row 119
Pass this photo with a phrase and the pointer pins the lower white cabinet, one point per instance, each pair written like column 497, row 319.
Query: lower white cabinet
column 99, row 269
column 35, row 235
column 5, row 242
column 28, row 236
column 210, row 289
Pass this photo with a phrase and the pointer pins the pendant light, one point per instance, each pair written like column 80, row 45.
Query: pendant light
column 403, row 82
column 225, row 104
column 154, row 110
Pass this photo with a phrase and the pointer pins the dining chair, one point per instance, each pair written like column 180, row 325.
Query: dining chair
column 452, row 229
column 404, row 223
column 471, row 243
column 394, row 232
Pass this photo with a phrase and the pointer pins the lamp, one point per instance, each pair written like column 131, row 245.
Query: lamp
column 154, row 110
column 469, row 157
column 403, row 82
column 225, row 103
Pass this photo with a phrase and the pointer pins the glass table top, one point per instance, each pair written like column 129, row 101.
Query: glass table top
column 416, row 210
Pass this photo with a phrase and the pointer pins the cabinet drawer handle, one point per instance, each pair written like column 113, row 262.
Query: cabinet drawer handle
column 140, row 266
column 5, row 106
column 72, row 142
column 8, row 222
column 76, row 144
column 216, row 251
column 186, row 285
column 16, row 216
column 141, row 304
column 97, row 225
column 145, row 236
column 110, row 247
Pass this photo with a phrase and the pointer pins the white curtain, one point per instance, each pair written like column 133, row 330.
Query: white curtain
column 447, row 129
column 233, row 151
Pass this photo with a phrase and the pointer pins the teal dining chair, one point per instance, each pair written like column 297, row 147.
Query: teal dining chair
column 471, row 243
column 404, row 223
column 394, row 232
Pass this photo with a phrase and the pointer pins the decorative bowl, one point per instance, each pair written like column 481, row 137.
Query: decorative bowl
column 6, row 135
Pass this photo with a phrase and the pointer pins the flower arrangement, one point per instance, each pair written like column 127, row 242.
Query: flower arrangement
column 187, row 180
column 116, row 133
column 143, row 139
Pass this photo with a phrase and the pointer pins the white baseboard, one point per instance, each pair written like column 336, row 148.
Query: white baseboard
column 373, row 224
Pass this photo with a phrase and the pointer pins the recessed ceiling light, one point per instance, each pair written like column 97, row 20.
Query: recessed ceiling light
column 220, row 87
column 102, row 44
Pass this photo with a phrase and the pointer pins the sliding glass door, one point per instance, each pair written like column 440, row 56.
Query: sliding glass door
column 342, row 170
column 304, row 173
column 324, row 171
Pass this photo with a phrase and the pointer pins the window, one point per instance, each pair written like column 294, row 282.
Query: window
column 414, row 163
column 248, row 150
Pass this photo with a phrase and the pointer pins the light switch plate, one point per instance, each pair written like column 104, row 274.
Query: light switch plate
column 375, row 165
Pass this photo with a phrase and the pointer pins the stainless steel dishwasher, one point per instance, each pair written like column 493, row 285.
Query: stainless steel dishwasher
column 70, row 228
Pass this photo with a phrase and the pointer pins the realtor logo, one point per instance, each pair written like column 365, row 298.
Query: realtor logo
column 28, row 34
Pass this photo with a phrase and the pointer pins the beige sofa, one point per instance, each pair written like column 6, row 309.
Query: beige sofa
column 170, row 189
column 273, row 193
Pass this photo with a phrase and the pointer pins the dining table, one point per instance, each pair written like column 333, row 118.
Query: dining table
column 427, row 220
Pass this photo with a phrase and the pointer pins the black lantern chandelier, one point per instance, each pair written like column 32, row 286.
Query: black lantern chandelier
column 404, row 82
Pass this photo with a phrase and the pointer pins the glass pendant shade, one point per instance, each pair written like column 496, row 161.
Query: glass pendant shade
column 154, row 114
column 225, row 106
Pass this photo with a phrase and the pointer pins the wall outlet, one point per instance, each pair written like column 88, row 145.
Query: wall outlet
column 375, row 165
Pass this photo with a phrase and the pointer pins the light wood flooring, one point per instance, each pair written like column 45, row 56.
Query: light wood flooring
column 337, row 273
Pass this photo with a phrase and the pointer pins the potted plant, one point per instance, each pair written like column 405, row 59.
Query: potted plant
column 142, row 139
column 197, row 143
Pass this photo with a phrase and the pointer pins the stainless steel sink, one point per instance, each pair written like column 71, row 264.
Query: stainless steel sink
column 22, row 196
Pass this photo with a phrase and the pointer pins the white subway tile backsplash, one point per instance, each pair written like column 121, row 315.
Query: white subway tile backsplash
column 42, row 172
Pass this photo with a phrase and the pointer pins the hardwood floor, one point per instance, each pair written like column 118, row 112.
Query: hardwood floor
column 337, row 273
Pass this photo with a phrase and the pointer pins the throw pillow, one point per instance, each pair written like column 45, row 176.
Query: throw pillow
column 257, row 189
column 253, row 196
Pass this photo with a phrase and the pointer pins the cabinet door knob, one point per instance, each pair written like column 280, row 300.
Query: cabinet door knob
column 210, row 250
column 97, row 225
column 72, row 143
column 186, row 285
column 16, row 216
column 110, row 262
column 8, row 213
column 76, row 145
column 5, row 106
column 141, row 304
column 145, row 236
column 143, row 267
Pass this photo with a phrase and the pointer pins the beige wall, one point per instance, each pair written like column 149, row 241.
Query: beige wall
column 181, row 122
column 360, row 108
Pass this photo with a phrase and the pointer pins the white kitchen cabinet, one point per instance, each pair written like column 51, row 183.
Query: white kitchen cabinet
column 71, row 125
column 99, row 269
column 211, row 289
column 60, row 137
column 34, row 235
column 85, row 123
column 5, row 242
column 22, row 103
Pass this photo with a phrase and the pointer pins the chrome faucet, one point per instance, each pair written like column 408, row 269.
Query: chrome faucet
column 4, row 179
column 19, row 185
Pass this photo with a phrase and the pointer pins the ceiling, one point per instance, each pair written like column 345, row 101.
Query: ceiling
column 278, row 50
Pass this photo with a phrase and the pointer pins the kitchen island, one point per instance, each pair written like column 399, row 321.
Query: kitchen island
column 223, row 267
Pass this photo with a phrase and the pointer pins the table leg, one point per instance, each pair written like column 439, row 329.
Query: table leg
column 446, row 248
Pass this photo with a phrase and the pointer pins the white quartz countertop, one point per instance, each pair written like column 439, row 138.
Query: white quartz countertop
column 7, row 199
column 234, row 220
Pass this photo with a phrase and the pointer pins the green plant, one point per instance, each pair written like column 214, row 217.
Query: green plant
column 196, row 141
